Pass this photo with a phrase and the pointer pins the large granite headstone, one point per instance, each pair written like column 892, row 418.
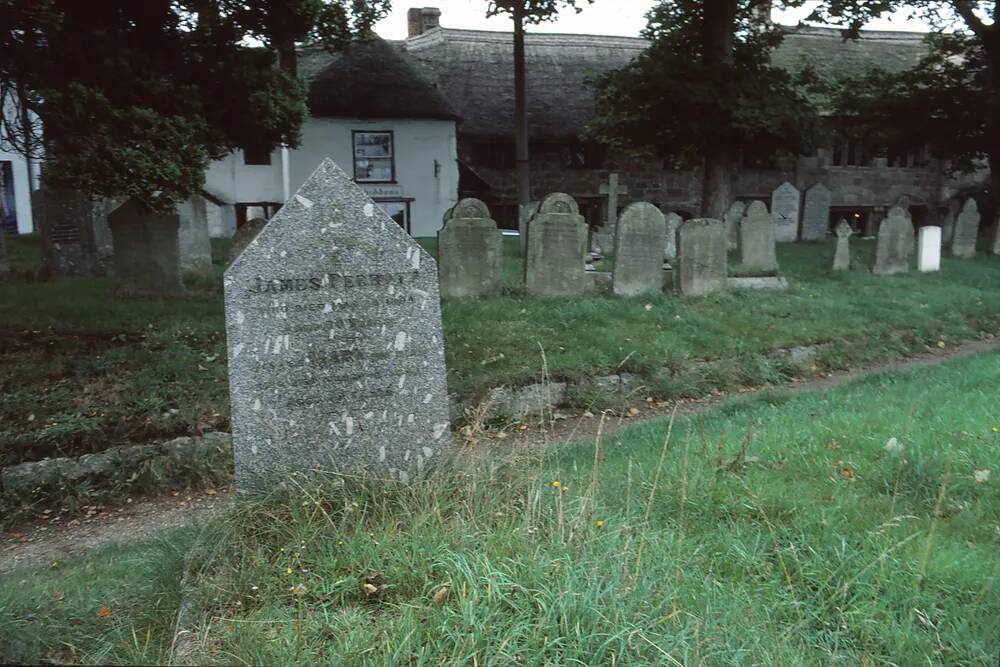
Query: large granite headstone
column 701, row 257
column 785, row 202
column 470, row 248
column 193, row 239
column 895, row 243
column 146, row 256
column 672, row 221
column 557, row 241
column 336, row 357
column 842, row 257
column 929, row 249
column 65, row 225
column 757, row 251
column 732, row 219
column 963, row 243
column 816, row 214
column 639, row 241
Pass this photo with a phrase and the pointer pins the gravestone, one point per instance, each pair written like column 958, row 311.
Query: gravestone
column 757, row 252
column 221, row 218
column 193, row 239
column 816, row 214
column 929, row 249
column 146, row 256
column 842, row 258
column 963, row 243
column 672, row 221
column 557, row 241
column 100, row 209
column 641, row 236
column 469, row 250
column 4, row 264
column 895, row 243
column 948, row 224
column 996, row 237
column 336, row 357
column 245, row 233
column 785, row 212
column 732, row 219
column 65, row 226
column 524, row 216
column 701, row 257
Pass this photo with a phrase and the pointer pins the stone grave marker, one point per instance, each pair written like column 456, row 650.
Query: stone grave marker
column 193, row 239
column 929, row 249
column 336, row 357
column 895, row 243
column 557, row 242
column 757, row 251
column 65, row 225
column 146, row 258
column 4, row 264
column 673, row 221
column 948, row 224
column 469, row 251
column 701, row 257
column 842, row 258
column 245, row 233
column 733, row 218
column 963, row 243
column 639, row 241
column 996, row 237
column 816, row 214
column 785, row 203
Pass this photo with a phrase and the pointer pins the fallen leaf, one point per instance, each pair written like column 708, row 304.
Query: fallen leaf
column 981, row 475
column 649, row 306
column 104, row 612
column 210, row 492
column 847, row 472
column 441, row 595
column 633, row 412
column 371, row 590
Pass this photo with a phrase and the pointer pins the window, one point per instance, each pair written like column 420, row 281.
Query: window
column 373, row 157
column 256, row 155
column 494, row 155
column 849, row 152
column 398, row 210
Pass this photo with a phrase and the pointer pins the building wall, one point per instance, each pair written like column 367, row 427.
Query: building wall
column 22, row 191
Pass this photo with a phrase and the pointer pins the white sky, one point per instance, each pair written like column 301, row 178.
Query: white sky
column 604, row 17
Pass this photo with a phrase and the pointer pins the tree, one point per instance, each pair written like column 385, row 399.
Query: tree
column 705, row 92
column 135, row 98
column 521, row 12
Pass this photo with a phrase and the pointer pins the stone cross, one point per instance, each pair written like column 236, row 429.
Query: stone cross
column 469, row 250
column 336, row 355
column 842, row 258
column 557, row 242
column 963, row 243
column 757, row 251
column 639, row 241
column 613, row 189
column 895, row 243
column 146, row 255
column 929, row 249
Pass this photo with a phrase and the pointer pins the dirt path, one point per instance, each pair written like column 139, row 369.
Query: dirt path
column 55, row 538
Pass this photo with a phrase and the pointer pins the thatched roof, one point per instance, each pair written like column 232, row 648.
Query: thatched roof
column 373, row 79
column 475, row 71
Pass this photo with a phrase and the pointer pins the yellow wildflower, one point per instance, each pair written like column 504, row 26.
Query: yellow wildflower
column 600, row 523
column 555, row 484
column 288, row 570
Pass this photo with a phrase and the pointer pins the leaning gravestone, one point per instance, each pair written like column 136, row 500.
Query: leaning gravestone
column 757, row 252
column 895, row 243
column 673, row 221
column 65, row 225
column 146, row 256
column 963, row 243
column 701, row 257
column 785, row 211
column 816, row 214
column 842, row 257
column 469, row 250
column 557, row 241
column 336, row 357
column 193, row 238
column 639, row 240
column 733, row 218
column 929, row 249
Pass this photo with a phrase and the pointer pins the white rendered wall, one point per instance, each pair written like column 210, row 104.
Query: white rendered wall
column 22, row 193
column 234, row 182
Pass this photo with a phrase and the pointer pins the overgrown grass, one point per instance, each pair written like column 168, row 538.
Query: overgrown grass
column 859, row 525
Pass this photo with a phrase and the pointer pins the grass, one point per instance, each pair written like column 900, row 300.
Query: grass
column 853, row 526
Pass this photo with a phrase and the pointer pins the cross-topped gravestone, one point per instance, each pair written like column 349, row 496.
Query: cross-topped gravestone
column 336, row 357
column 469, row 250
column 701, row 257
column 757, row 252
column 146, row 255
column 613, row 190
column 929, row 249
column 557, row 241
column 963, row 243
column 785, row 211
column 895, row 243
column 816, row 214
column 639, row 244
column 732, row 220
column 842, row 257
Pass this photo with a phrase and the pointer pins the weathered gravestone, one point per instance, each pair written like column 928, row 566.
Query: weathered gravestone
column 4, row 264
column 785, row 211
column 996, row 237
column 65, row 225
column 336, row 357
column 245, row 233
column 672, row 221
column 948, row 224
column 757, row 252
column 701, row 257
column 816, row 214
column 469, row 250
column 842, row 257
column 732, row 219
column 963, row 243
column 195, row 245
column 929, row 249
column 895, row 243
column 639, row 241
column 146, row 257
column 557, row 241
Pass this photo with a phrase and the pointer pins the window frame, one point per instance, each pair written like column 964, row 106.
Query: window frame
column 405, row 201
column 392, row 156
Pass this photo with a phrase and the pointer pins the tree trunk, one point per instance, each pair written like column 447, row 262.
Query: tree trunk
column 718, row 26
column 521, row 120
column 991, row 43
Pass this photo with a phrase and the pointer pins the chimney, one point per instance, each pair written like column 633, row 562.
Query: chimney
column 421, row 19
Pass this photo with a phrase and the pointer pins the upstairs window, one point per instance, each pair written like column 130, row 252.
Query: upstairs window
column 374, row 157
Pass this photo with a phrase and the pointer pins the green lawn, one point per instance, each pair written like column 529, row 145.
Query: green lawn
column 854, row 526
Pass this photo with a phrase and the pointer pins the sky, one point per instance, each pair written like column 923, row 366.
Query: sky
column 604, row 17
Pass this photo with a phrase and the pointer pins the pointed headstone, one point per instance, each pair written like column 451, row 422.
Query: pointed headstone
column 640, row 238
column 146, row 257
column 816, row 214
column 557, row 242
column 195, row 245
column 785, row 202
column 757, row 251
column 894, row 246
column 336, row 357
column 963, row 243
column 469, row 251
column 929, row 249
column 701, row 257
column 733, row 218
column 842, row 257
column 672, row 221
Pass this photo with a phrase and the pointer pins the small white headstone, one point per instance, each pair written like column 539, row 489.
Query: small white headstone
column 929, row 249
